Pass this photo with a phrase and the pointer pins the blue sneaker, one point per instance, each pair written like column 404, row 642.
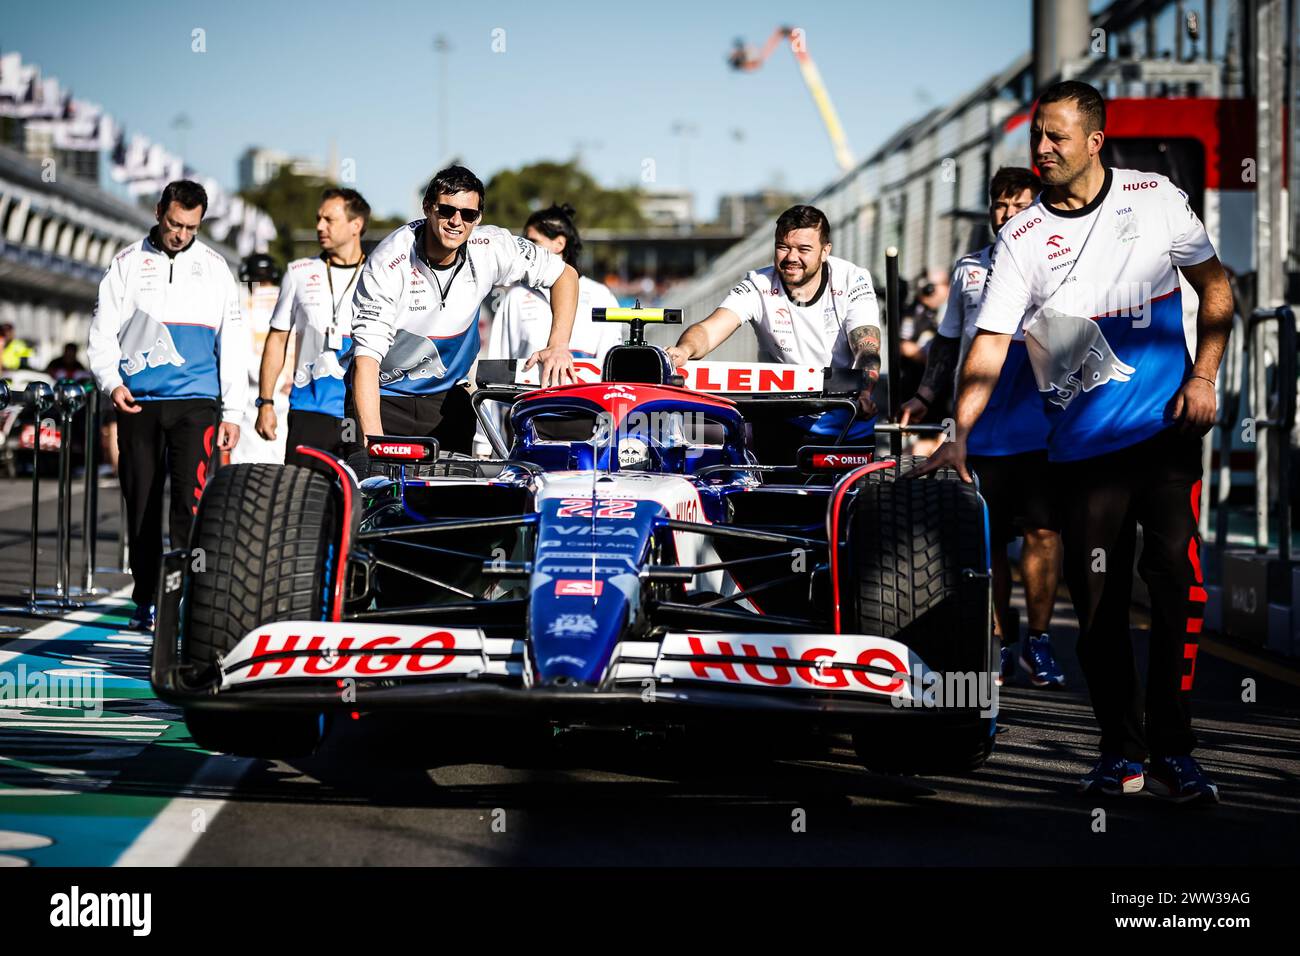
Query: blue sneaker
column 1181, row 780
column 1008, row 670
column 1113, row 776
column 143, row 619
column 1039, row 663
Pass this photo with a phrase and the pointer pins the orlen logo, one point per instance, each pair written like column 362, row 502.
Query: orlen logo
column 393, row 264
column 1053, row 241
column 1150, row 184
column 1026, row 227
column 840, row 461
column 397, row 451
column 587, row 588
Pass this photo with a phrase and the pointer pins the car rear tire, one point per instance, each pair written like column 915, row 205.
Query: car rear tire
column 919, row 575
column 266, row 536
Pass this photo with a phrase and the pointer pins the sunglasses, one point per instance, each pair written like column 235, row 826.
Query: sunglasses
column 466, row 215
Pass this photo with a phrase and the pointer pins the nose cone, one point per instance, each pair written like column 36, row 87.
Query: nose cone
column 566, row 682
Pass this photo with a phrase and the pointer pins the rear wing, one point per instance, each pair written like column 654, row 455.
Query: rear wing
column 736, row 380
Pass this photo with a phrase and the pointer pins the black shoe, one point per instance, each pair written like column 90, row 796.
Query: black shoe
column 143, row 619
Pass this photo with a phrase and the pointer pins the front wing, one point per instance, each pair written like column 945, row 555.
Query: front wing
column 354, row 666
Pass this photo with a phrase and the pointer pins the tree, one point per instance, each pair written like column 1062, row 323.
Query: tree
column 513, row 195
column 291, row 200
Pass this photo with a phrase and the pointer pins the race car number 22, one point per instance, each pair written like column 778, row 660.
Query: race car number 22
column 606, row 508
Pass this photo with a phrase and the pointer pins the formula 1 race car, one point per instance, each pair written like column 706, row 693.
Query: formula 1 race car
column 630, row 559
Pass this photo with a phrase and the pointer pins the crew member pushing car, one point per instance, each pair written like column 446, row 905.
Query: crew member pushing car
column 807, row 308
column 415, row 322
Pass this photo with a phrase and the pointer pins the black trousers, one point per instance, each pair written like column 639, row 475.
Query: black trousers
column 1155, row 484
column 169, row 439
column 1019, row 493
column 447, row 416
column 315, row 429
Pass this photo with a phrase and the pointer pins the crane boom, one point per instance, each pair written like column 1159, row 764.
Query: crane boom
column 743, row 58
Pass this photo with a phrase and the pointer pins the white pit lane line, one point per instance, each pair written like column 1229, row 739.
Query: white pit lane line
column 168, row 839
column 170, row 836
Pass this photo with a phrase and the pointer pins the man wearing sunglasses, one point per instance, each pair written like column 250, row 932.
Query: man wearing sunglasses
column 415, row 324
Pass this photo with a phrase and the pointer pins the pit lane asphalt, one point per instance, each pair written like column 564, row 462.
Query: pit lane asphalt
column 601, row 801
column 381, row 795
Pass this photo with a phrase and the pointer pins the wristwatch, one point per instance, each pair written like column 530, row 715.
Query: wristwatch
column 263, row 401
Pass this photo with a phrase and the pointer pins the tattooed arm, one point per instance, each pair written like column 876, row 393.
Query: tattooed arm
column 940, row 369
column 940, row 373
column 864, row 342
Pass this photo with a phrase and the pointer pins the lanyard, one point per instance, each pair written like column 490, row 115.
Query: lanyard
column 442, row 290
column 462, row 257
column 329, row 276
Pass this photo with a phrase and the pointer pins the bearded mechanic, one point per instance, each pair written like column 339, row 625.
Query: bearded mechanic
column 415, row 314
column 807, row 308
column 1090, row 271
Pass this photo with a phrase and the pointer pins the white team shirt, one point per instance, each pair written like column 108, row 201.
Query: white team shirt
column 160, row 324
column 315, row 315
column 964, row 295
column 252, row 448
column 816, row 334
column 522, row 324
column 1097, row 295
column 422, row 329
column 1013, row 420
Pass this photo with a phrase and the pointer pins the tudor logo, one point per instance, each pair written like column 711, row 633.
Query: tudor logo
column 1052, row 241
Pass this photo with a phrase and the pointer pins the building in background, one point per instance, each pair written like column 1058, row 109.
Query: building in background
column 56, row 239
column 743, row 213
column 59, row 224
column 668, row 207
column 258, row 166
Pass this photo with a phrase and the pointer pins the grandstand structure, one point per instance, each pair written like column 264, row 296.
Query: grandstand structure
column 56, row 239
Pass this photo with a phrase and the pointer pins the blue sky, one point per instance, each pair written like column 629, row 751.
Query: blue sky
column 610, row 79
